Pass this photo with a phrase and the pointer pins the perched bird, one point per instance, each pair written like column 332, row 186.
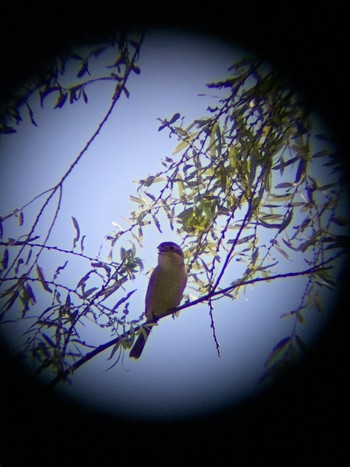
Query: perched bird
column 165, row 289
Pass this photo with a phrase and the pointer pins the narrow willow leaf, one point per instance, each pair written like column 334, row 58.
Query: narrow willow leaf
column 5, row 259
column 82, row 243
column 277, row 350
column 31, row 294
column 284, row 185
column 114, row 349
column 122, row 300
column 255, row 256
column 61, row 100
column 182, row 145
column 48, row 340
column 20, row 218
column 342, row 221
column 59, row 269
column 89, row 291
column 11, row 300
column 267, row 225
column 138, row 200
column 76, row 226
column 31, row 115
column 84, row 69
column 109, row 290
column 282, row 252
column 19, row 264
column 156, row 222
column 300, row 171
column 286, row 222
column 67, row 305
column 42, row 279
column 244, row 239
column 84, row 279
column 29, row 256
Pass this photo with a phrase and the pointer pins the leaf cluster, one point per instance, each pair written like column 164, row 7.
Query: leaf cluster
column 37, row 279
column 244, row 190
column 245, row 186
column 63, row 82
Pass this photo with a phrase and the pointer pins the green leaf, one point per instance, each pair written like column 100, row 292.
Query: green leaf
column 67, row 305
column 138, row 200
column 31, row 294
column 114, row 349
column 42, row 279
column 182, row 145
column 277, row 350
column 282, row 252
column 286, row 221
column 284, row 185
column 20, row 218
column 300, row 171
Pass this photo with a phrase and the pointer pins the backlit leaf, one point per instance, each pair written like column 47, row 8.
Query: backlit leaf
column 42, row 279
column 20, row 218
column 277, row 350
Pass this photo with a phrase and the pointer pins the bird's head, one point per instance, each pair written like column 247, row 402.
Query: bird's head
column 170, row 251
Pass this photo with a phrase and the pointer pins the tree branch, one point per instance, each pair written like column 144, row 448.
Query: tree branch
column 210, row 295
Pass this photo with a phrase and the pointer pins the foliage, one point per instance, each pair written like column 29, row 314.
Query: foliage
column 51, row 82
column 54, row 338
column 244, row 186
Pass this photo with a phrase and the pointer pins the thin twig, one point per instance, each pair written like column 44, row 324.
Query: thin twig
column 125, row 335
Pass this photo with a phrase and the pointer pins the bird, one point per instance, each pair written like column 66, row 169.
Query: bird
column 164, row 292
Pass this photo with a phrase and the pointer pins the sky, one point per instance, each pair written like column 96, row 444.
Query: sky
column 180, row 373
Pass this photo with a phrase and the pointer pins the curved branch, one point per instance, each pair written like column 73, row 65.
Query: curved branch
column 101, row 348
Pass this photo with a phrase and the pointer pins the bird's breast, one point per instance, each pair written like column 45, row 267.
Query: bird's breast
column 165, row 290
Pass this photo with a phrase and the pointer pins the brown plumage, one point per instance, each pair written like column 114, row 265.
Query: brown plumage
column 164, row 292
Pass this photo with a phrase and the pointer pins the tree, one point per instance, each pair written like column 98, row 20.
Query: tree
column 243, row 185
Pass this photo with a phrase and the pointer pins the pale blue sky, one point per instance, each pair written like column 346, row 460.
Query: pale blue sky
column 179, row 372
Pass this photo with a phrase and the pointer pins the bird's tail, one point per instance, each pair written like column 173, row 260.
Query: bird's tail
column 137, row 348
